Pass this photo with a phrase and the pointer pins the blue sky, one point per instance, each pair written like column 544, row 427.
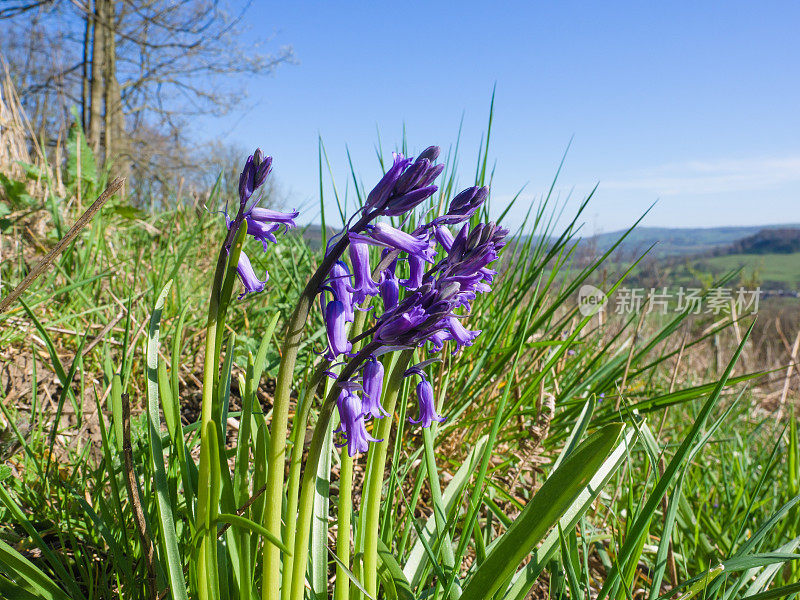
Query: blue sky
column 693, row 105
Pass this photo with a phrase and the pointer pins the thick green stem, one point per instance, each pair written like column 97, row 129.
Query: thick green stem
column 205, row 571
column 273, row 497
column 307, row 487
column 315, row 388
column 376, row 460
column 207, row 581
column 345, row 509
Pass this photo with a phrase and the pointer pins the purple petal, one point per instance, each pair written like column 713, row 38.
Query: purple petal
column 396, row 238
column 274, row 216
column 427, row 406
column 335, row 325
column 246, row 273
column 373, row 385
column 416, row 271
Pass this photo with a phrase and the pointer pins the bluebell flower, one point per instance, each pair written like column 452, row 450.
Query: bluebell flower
column 405, row 185
column 438, row 338
column 426, row 405
column 445, row 237
column 262, row 223
column 463, row 206
column 471, row 251
column 460, row 334
column 396, row 239
column 335, row 326
column 363, row 284
column 351, row 416
column 380, row 194
column 414, row 245
column 246, row 273
column 390, row 286
column 373, row 385
column 254, row 174
column 416, row 269
column 419, row 315
column 273, row 216
column 339, row 283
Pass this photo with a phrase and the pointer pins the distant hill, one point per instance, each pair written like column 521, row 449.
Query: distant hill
column 312, row 234
column 767, row 241
column 669, row 242
column 683, row 241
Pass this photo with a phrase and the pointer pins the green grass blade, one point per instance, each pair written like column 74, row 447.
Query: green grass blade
column 318, row 548
column 417, row 558
column 391, row 574
column 174, row 564
column 546, row 508
column 777, row 593
column 16, row 563
column 245, row 523
column 648, row 510
column 527, row 576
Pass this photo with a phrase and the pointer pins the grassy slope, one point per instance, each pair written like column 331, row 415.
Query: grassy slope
column 727, row 473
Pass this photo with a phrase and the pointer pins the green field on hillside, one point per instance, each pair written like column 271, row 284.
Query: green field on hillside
column 773, row 269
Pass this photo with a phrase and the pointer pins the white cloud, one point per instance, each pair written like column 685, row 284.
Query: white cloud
column 710, row 177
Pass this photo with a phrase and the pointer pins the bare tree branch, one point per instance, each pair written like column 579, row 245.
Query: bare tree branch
column 15, row 8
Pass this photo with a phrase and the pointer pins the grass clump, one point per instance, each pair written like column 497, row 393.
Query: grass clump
column 581, row 457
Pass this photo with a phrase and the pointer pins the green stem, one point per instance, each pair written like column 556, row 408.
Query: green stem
column 276, row 456
column 345, row 509
column 204, row 569
column 307, row 487
column 315, row 388
column 376, row 460
column 206, row 510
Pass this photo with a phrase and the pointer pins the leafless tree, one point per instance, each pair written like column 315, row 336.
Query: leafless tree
column 139, row 71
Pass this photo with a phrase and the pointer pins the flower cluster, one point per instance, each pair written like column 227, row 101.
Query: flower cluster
column 405, row 185
column 445, row 274
column 261, row 223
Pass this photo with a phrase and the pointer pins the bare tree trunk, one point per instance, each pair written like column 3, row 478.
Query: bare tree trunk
column 96, row 93
column 108, row 72
column 87, row 41
column 114, row 117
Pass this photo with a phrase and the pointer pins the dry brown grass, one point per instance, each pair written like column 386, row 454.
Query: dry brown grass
column 19, row 143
